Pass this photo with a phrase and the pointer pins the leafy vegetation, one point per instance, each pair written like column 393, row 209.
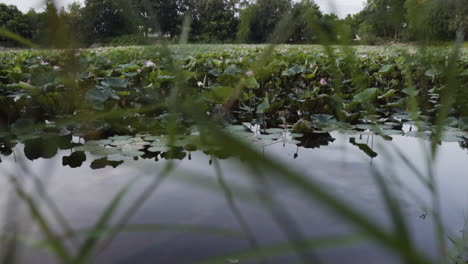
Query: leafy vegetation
column 137, row 22
column 300, row 89
column 167, row 101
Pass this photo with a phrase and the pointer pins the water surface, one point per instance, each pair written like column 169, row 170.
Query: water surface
column 194, row 195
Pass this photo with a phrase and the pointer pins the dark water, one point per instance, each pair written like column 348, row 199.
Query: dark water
column 193, row 195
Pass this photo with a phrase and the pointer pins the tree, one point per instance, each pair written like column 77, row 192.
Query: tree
column 439, row 20
column 353, row 22
column 215, row 20
column 307, row 17
column 267, row 15
column 51, row 29
column 13, row 20
column 385, row 18
column 106, row 19
column 163, row 17
column 245, row 21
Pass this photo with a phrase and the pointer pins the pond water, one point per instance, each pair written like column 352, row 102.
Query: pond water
column 194, row 195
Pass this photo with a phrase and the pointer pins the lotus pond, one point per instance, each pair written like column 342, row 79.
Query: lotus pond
column 234, row 154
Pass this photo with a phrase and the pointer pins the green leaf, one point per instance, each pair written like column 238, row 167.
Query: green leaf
column 166, row 77
column 463, row 123
column 159, row 149
column 25, row 86
column 388, row 94
column 451, row 121
column 100, row 95
column 431, row 73
column 263, row 107
column 251, row 83
column 219, row 94
column 132, row 153
column 22, row 126
column 115, row 82
column 386, row 68
column 366, row 95
column 124, row 93
column 323, row 119
column 296, row 69
column 101, row 151
column 231, row 70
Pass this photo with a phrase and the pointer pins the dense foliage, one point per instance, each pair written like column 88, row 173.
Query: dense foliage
column 101, row 21
column 302, row 86
column 409, row 20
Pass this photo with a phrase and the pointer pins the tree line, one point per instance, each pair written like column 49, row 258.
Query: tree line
column 229, row 21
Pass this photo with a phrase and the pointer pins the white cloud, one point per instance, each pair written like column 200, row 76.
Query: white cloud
column 25, row 5
column 339, row 7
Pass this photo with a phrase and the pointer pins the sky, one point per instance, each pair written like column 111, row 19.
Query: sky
column 339, row 7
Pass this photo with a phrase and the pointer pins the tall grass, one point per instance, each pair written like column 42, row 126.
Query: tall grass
column 398, row 239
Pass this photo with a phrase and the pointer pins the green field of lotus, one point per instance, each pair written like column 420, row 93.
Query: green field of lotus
column 120, row 100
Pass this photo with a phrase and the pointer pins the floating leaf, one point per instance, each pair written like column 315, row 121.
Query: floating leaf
column 121, row 142
column 104, row 151
column 120, row 137
column 419, row 134
column 463, row 123
column 102, row 142
column 269, row 136
column 22, row 126
column 151, row 138
column 115, row 82
column 275, row 130
column 131, row 147
column 451, row 121
column 159, row 149
column 132, row 153
column 296, row 135
column 235, row 128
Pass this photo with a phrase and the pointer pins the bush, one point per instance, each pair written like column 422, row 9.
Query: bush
column 127, row 40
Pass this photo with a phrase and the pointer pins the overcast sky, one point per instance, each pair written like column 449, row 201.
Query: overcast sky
column 339, row 7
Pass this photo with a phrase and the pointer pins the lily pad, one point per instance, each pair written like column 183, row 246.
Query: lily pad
column 159, row 149
column 104, row 151
column 275, row 130
column 102, row 142
column 132, row 153
column 121, row 142
column 151, row 138
column 463, row 123
column 366, row 96
column 115, row 82
column 120, row 137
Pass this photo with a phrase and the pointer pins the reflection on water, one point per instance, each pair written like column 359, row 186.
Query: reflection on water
column 166, row 229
